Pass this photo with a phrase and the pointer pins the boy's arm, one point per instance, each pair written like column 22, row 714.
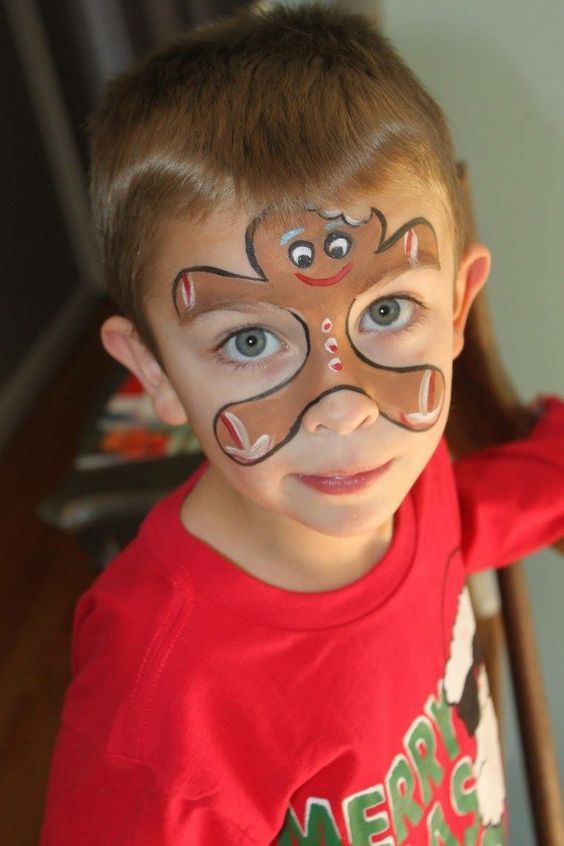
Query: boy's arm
column 95, row 799
column 512, row 496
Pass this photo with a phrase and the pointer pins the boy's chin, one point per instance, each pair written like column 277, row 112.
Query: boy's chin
column 347, row 522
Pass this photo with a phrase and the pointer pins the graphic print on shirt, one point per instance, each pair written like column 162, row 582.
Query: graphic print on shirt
column 466, row 688
column 448, row 770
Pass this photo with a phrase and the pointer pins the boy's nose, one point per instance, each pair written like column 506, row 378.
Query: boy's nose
column 343, row 411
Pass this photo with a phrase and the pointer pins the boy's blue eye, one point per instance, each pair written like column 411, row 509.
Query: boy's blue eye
column 389, row 312
column 250, row 344
column 302, row 253
column 337, row 245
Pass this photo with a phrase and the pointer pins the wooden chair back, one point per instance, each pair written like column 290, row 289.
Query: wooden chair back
column 486, row 410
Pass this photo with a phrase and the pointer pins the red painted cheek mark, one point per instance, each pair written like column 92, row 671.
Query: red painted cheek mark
column 244, row 451
column 411, row 245
column 329, row 280
column 229, row 425
column 187, row 291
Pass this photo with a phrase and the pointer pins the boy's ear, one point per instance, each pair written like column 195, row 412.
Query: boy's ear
column 472, row 274
column 122, row 342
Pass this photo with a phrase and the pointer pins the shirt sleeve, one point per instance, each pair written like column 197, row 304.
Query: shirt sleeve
column 96, row 799
column 512, row 496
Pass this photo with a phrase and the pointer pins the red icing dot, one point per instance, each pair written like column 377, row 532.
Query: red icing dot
column 336, row 364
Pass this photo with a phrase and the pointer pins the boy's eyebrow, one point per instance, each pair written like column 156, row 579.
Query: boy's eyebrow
column 214, row 270
column 226, row 304
column 433, row 264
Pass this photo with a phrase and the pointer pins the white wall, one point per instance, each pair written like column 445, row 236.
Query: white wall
column 498, row 71
column 497, row 68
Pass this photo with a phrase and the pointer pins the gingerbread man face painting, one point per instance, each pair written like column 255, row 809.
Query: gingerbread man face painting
column 321, row 274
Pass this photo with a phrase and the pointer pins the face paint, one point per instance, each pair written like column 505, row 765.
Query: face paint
column 187, row 291
column 410, row 246
column 336, row 365
column 316, row 272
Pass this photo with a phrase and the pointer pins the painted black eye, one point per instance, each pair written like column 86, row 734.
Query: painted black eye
column 251, row 342
column 301, row 253
column 337, row 245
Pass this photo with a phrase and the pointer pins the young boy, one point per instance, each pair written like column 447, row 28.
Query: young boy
column 285, row 654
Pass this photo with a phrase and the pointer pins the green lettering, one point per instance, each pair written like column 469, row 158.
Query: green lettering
column 421, row 746
column 464, row 799
column 360, row 828
column 320, row 828
column 439, row 831
column 400, row 784
column 439, row 711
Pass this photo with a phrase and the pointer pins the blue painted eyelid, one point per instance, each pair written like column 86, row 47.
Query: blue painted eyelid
column 287, row 236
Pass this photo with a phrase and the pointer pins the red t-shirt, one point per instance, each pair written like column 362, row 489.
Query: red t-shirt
column 208, row 707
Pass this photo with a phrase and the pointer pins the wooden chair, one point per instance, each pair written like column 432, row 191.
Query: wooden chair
column 480, row 381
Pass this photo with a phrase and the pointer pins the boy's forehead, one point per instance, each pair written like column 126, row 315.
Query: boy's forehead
column 221, row 239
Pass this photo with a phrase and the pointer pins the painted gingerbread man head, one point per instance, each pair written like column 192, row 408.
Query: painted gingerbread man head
column 316, row 270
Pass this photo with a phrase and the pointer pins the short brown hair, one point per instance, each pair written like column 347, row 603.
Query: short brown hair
column 273, row 107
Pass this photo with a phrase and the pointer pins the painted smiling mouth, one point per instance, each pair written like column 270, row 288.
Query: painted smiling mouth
column 328, row 280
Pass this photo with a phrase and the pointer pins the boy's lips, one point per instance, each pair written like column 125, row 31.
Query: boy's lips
column 342, row 482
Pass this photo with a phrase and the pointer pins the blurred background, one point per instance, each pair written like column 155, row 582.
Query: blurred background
column 498, row 71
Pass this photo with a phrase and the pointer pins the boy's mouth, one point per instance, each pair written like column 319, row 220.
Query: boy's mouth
column 342, row 482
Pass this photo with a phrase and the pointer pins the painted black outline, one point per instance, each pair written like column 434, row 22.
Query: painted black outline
column 250, row 242
column 342, row 216
column 302, row 242
column 295, row 425
column 383, row 245
column 407, row 369
column 267, row 393
column 205, row 269
column 298, row 421
column 411, row 224
column 334, row 235
column 251, row 229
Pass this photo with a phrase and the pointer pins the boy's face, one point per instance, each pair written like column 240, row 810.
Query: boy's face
column 313, row 357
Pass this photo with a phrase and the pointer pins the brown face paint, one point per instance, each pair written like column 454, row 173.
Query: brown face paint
column 315, row 272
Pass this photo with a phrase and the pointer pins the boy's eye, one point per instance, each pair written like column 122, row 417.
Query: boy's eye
column 251, row 344
column 390, row 312
column 337, row 245
column 302, row 253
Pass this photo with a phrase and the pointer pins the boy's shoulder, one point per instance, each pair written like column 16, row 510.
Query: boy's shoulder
column 159, row 553
column 149, row 558
column 125, row 622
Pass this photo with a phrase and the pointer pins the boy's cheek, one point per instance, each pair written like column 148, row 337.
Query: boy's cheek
column 201, row 398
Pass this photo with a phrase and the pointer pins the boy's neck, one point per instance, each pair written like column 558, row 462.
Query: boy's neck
column 274, row 548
